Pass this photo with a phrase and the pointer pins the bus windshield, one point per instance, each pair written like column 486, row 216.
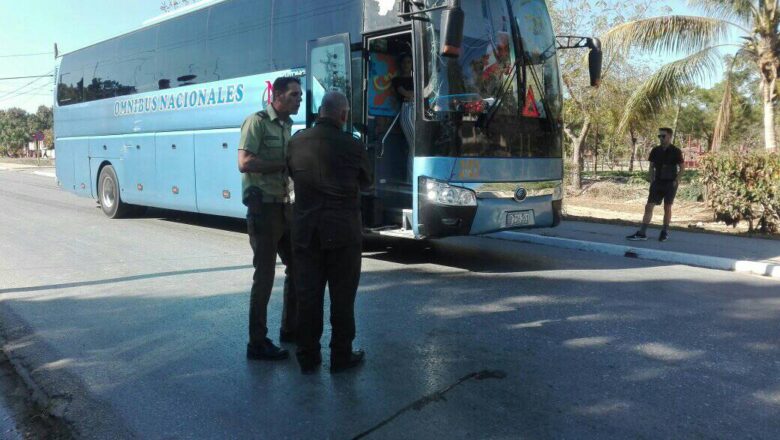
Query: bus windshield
column 501, row 97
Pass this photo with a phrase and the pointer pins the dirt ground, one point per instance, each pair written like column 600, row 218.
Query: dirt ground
column 625, row 202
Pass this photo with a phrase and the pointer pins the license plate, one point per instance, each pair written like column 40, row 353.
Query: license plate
column 519, row 218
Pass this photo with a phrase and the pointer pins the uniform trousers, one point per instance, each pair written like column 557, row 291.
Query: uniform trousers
column 268, row 225
column 339, row 269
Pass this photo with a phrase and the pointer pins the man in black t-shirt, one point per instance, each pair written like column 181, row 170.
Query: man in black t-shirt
column 666, row 168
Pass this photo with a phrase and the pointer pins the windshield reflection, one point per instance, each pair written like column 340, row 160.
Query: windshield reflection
column 493, row 101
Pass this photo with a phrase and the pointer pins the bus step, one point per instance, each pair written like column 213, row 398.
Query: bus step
column 407, row 219
column 398, row 233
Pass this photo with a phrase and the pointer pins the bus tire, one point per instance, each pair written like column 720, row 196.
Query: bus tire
column 109, row 194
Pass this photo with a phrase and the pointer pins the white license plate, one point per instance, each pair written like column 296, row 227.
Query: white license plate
column 519, row 218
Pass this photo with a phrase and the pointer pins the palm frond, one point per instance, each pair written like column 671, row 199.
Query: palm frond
column 668, row 83
column 743, row 12
column 722, row 122
column 670, row 34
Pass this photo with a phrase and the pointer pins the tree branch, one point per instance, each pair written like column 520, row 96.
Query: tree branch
column 569, row 133
column 569, row 88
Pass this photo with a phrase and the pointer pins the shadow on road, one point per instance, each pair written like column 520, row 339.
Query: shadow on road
column 122, row 279
column 583, row 352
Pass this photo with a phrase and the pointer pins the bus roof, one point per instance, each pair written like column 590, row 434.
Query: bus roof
column 181, row 11
column 155, row 20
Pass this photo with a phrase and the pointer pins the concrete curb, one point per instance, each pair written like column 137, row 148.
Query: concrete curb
column 44, row 174
column 719, row 263
column 60, row 393
column 15, row 167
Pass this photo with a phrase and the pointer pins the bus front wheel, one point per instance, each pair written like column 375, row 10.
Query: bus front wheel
column 108, row 194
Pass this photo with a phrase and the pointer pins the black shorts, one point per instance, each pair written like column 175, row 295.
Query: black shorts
column 662, row 190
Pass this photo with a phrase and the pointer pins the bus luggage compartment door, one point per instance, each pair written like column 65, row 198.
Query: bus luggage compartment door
column 217, row 175
column 64, row 165
column 175, row 158
column 136, row 169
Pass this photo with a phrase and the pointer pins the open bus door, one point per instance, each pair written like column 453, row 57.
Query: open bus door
column 388, row 146
column 328, row 68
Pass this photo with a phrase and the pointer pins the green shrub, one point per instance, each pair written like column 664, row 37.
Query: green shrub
column 745, row 187
column 693, row 191
column 639, row 179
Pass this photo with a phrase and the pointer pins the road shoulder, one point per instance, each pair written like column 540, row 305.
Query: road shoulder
column 60, row 394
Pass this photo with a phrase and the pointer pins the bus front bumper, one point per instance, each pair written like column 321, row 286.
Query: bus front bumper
column 501, row 214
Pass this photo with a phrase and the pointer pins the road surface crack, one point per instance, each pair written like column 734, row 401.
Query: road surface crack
column 436, row 396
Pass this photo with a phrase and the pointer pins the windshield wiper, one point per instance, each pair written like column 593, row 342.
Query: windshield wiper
column 493, row 109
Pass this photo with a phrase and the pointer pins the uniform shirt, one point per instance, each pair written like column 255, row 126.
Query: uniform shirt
column 666, row 162
column 265, row 135
column 330, row 169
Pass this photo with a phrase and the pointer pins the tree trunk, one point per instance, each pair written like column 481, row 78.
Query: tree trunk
column 769, row 65
column 633, row 151
column 596, row 153
column 770, row 142
column 576, row 155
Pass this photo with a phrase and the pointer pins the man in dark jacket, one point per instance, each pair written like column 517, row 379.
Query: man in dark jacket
column 666, row 168
column 329, row 169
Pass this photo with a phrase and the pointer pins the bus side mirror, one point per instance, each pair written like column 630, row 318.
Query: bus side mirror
column 452, row 30
column 595, row 58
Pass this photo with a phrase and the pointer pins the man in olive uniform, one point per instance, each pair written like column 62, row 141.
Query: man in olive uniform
column 261, row 160
column 329, row 168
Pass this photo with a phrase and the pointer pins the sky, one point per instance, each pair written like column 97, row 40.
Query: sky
column 31, row 27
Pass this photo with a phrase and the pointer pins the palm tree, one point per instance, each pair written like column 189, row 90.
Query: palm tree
column 699, row 39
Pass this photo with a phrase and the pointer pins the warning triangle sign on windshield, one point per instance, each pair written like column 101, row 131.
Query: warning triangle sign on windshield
column 530, row 110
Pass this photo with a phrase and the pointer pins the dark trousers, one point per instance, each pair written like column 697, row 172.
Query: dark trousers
column 269, row 234
column 339, row 268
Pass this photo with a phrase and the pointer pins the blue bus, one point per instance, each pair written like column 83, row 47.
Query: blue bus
column 151, row 118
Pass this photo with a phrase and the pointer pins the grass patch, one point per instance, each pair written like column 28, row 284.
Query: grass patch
column 637, row 177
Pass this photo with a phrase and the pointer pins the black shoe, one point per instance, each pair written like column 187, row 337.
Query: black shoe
column 286, row 337
column 354, row 359
column 637, row 236
column 268, row 352
column 309, row 364
column 664, row 236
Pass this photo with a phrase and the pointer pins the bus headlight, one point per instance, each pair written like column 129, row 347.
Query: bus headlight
column 442, row 193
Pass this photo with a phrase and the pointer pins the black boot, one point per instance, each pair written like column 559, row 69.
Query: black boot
column 266, row 352
column 309, row 363
column 341, row 363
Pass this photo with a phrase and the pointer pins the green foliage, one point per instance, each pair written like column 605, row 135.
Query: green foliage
column 14, row 131
column 699, row 39
column 17, row 127
column 591, row 115
column 745, row 187
column 691, row 191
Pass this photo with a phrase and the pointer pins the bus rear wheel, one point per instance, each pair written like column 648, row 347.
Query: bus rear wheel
column 109, row 194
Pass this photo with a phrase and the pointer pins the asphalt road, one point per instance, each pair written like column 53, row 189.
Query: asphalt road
column 137, row 327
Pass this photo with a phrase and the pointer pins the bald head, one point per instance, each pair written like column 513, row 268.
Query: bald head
column 335, row 106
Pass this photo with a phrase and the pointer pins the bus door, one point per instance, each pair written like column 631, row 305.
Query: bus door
column 328, row 68
column 387, row 142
